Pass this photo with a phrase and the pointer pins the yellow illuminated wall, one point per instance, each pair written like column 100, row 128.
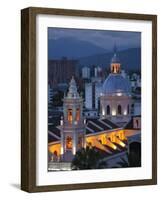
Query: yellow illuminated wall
column 101, row 140
column 54, row 147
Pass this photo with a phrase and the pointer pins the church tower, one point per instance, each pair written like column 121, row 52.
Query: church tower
column 72, row 124
column 115, row 101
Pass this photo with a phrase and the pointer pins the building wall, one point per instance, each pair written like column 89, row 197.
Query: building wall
column 61, row 71
column 88, row 95
column 86, row 72
column 113, row 102
column 92, row 94
column 106, row 137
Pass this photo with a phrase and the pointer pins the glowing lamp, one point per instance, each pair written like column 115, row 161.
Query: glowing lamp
column 113, row 112
column 74, row 150
column 103, row 112
column 125, row 112
column 119, row 94
column 61, row 151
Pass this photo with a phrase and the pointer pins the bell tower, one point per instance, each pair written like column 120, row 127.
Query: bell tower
column 72, row 123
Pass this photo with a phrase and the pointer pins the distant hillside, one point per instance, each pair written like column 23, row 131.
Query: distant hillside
column 130, row 59
column 72, row 48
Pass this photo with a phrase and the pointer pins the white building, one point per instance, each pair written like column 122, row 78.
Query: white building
column 93, row 91
column 97, row 71
column 85, row 72
column 135, row 81
column 136, row 108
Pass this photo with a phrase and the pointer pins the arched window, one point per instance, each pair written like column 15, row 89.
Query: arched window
column 132, row 108
column 55, row 153
column 108, row 110
column 70, row 117
column 69, row 142
column 80, row 141
column 119, row 110
column 78, row 114
column 99, row 106
column 128, row 109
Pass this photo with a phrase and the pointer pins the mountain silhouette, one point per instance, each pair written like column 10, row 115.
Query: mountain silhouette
column 89, row 54
column 130, row 59
column 72, row 48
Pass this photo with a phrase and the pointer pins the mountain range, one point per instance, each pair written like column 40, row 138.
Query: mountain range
column 130, row 59
column 72, row 48
column 90, row 54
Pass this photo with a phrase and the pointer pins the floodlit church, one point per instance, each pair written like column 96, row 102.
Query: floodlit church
column 115, row 100
column 111, row 133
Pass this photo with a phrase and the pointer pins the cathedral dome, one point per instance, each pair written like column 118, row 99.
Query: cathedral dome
column 116, row 84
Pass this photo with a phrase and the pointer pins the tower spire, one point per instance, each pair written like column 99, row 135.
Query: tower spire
column 115, row 48
column 72, row 89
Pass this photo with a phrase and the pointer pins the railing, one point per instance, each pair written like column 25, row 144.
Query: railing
column 54, row 166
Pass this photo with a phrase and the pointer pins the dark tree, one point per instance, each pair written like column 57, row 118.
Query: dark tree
column 89, row 158
column 57, row 99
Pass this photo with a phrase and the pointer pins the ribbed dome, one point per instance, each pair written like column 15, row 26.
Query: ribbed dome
column 116, row 83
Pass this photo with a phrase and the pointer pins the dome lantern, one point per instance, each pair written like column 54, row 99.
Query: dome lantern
column 115, row 63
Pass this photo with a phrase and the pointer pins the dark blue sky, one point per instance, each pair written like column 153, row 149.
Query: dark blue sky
column 100, row 40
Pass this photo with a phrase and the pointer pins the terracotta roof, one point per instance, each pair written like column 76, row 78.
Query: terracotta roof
column 92, row 126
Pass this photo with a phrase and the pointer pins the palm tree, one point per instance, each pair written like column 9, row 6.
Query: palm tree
column 88, row 158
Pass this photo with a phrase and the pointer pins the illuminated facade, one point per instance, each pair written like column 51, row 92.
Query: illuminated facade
column 72, row 124
column 111, row 132
column 115, row 100
column 104, row 135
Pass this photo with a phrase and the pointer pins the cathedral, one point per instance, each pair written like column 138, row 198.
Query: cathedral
column 111, row 133
column 115, row 100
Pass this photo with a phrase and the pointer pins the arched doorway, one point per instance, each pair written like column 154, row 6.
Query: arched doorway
column 68, row 142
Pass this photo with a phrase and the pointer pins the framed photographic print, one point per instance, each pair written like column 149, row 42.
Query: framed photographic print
column 89, row 99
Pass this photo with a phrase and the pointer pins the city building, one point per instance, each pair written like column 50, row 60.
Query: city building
column 135, row 81
column 50, row 94
column 85, row 72
column 90, row 113
column 115, row 100
column 61, row 71
column 92, row 94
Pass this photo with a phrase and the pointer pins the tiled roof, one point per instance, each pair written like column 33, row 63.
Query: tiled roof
column 98, row 125
column 92, row 126
column 52, row 138
column 129, row 125
column 110, row 123
column 54, row 130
